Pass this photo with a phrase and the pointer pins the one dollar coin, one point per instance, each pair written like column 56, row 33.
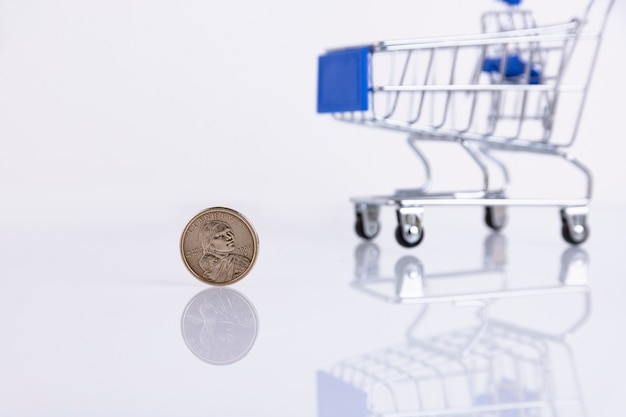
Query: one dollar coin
column 219, row 246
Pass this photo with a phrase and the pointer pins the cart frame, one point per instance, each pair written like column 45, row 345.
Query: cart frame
column 510, row 96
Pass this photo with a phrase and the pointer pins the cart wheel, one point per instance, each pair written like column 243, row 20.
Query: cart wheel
column 576, row 236
column 410, row 237
column 574, row 227
column 496, row 217
column 366, row 231
column 410, row 231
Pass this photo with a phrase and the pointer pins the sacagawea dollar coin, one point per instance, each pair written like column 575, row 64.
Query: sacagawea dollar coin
column 219, row 246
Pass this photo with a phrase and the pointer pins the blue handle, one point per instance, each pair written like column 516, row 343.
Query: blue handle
column 512, row 2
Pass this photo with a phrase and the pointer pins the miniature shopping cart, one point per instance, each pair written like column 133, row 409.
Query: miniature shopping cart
column 511, row 87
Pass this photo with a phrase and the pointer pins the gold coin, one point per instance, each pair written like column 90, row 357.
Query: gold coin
column 219, row 246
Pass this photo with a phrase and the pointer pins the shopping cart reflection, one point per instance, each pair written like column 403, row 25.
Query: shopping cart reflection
column 410, row 283
column 491, row 367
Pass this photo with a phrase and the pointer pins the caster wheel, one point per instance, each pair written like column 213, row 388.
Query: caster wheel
column 495, row 217
column 409, row 237
column 576, row 236
column 366, row 230
column 574, row 227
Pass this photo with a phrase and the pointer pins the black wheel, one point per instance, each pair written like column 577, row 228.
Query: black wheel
column 575, row 238
column 413, row 239
column 574, row 227
column 363, row 232
column 495, row 217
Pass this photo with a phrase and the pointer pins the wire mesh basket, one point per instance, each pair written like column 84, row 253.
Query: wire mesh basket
column 515, row 86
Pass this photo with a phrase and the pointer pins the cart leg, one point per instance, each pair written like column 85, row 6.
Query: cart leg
column 574, row 224
column 410, row 230
column 367, row 225
column 478, row 159
column 419, row 191
column 501, row 191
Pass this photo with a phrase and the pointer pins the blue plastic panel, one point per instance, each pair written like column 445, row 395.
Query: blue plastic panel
column 515, row 68
column 342, row 81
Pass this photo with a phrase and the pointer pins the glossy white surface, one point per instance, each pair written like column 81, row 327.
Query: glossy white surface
column 120, row 120
column 91, row 320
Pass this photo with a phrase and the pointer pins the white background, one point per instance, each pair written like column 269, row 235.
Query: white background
column 120, row 120
column 112, row 106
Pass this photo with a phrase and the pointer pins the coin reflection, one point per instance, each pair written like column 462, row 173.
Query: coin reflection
column 220, row 326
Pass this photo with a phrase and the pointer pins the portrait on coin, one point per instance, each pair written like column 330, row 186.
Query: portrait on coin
column 219, row 262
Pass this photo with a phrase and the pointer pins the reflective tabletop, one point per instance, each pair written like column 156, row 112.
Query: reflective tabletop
column 106, row 320
column 122, row 120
